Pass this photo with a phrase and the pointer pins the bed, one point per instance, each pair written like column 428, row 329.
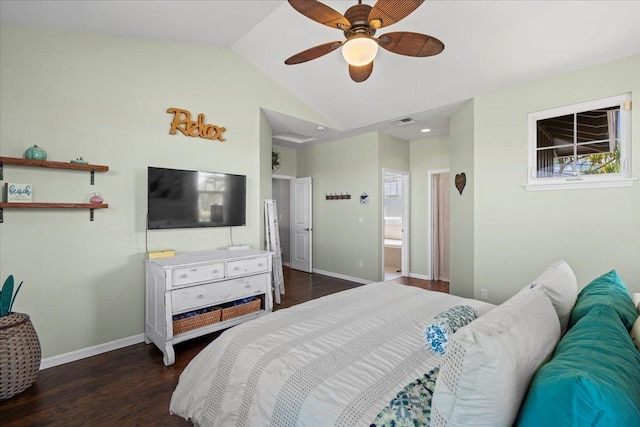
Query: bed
column 365, row 357
column 337, row 360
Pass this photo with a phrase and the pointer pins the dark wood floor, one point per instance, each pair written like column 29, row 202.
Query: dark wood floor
column 131, row 386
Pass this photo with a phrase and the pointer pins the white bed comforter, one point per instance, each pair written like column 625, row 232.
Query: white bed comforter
column 336, row 360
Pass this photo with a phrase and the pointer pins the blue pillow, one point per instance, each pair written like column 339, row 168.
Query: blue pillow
column 439, row 330
column 606, row 290
column 593, row 378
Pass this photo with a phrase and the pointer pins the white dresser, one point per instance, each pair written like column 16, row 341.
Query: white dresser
column 201, row 280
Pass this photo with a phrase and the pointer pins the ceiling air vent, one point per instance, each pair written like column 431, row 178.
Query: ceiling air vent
column 403, row 122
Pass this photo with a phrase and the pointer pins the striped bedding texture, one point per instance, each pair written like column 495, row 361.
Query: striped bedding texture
column 337, row 360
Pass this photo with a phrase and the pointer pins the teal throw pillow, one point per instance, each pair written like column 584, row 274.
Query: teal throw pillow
column 593, row 378
column 606, row 290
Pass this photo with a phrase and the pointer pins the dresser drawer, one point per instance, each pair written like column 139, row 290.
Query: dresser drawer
column 193, row 297
column 246, row 266
column 195, row 274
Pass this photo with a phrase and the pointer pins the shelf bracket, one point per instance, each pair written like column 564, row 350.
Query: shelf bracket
column 1, row 178
column 91, row 214
column 1, row 213
column 92, row 179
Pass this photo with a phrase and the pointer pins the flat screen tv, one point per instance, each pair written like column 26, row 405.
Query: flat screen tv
column 190, row 199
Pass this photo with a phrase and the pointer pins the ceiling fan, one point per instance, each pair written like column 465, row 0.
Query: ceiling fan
column 359, row 24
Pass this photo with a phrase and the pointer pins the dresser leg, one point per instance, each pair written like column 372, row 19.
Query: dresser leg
column 169, row 355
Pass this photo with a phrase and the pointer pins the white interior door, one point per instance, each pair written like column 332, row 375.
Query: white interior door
column 301, row 224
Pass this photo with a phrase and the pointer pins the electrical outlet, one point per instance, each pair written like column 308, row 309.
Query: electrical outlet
column 360, row 264
column 484, row 293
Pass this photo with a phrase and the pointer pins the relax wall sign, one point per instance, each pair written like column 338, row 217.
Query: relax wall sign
column 182, row 122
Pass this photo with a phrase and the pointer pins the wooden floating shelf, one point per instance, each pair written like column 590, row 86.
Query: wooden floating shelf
column 54, row 205
column 50, row 164
column 90, row 206
column 55, row 165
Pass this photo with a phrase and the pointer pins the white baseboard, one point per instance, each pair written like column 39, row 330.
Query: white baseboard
column 342, row 276
column 72, row 356
column 420, row 276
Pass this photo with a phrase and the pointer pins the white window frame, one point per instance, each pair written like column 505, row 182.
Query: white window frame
column 622, row 179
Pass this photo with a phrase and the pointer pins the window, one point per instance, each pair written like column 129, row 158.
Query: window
column 581, row 146
column 393, row 187
column 393, row 200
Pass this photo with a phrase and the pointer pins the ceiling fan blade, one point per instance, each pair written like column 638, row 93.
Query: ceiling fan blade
column 321, row 13
column 313, row 53
column 361, row 73
column 411, row 44
column 387, row 12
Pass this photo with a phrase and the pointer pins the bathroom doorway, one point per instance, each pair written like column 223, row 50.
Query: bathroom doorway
column 395, row 224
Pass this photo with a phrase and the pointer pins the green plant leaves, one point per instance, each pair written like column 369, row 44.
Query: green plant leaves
column 7, row 297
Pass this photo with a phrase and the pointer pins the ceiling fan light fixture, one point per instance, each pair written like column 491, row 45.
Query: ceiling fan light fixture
column 359, row 50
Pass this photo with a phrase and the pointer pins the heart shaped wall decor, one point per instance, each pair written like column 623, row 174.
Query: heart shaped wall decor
column 461, row 181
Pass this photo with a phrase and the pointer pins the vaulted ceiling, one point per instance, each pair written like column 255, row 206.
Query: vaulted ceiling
column 489, row 45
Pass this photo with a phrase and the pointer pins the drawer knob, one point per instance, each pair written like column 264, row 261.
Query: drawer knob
column 247, row 286
column 215, row 271
column 260, row 265
column 183, row 276
column 236, row 268
column 194, row 269
column 199, row 296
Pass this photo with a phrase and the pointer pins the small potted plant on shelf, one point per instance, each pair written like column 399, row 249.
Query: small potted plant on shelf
column 19, row 345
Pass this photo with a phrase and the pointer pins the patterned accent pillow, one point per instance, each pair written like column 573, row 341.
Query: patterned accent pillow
column 439, row 330
column 412, row 405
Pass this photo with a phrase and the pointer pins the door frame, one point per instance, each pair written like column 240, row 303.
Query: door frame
column 406, row 223
column 284, row 178
column 430, row 176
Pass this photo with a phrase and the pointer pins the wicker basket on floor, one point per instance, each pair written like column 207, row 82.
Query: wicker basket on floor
column 241, row 309
column 19, row 354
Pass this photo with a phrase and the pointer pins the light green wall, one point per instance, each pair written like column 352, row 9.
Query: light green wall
column 339, row 241
column 105, row 98
column 519, row 233
column 428, row 154
column 461, row 249
column 288, row 161
column 393, row 153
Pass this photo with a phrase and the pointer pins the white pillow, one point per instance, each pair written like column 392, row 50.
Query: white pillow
column 636, row 301
column 489, row 363
column 635, row 332
column 559, row 283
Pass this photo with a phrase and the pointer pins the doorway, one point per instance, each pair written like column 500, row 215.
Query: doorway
column 280, row 192
column 439, row 224
column 293, row 198
column 395, row 224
